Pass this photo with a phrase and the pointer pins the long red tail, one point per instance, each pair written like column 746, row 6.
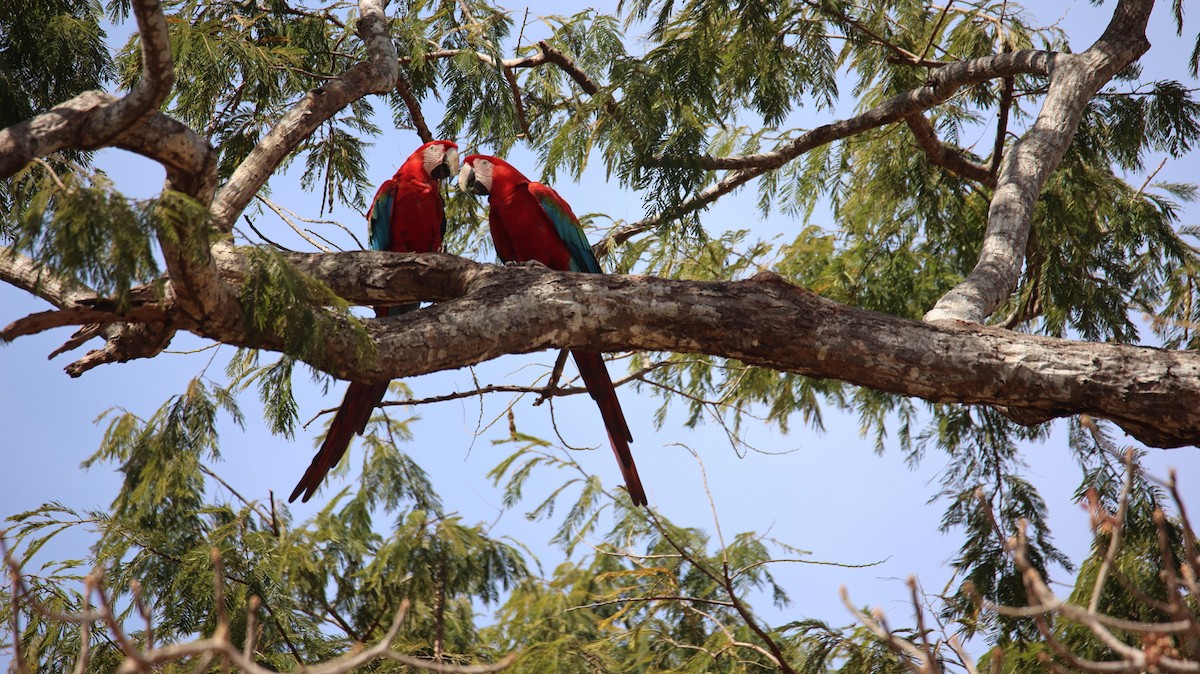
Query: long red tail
column 599, row 385
column 351, row 418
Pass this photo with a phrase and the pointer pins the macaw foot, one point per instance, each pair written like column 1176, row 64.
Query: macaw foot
column 530, row 264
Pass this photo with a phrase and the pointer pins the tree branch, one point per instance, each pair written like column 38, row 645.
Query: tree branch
column 414, row 109
column 377, row 76
column 93, row 118
column 485, row 311
column 22, row 272
column 585, row 82
column 949, row 158
column 1029, row 163
column 943, row 83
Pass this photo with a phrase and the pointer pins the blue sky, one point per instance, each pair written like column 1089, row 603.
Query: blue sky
column 824, row 492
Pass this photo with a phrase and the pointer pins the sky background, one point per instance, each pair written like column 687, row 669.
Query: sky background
column 827, row 492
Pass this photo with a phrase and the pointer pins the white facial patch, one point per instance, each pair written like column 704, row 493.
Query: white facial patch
column 482, row 169
column 433, row 157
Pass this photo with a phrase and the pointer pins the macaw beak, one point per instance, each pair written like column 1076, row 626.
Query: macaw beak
column 467, row 182
column 448, row 167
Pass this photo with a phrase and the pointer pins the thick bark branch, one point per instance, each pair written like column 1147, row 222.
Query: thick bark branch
column 378, row 76
column 93, row 118
column 187, row 157
column 191, row 166
column 1031, row 160
column 47, row 320
column 486, row 311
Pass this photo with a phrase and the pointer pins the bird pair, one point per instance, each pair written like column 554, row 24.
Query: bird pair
column 528, row 221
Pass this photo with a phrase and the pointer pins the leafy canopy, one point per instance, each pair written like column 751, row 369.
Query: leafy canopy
column 668, row 85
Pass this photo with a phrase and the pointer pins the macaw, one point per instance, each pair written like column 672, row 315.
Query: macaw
column 530, row 221
column 406, row 216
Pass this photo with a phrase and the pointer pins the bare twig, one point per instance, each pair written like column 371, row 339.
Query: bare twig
column 912, row 657
column 1118, row 532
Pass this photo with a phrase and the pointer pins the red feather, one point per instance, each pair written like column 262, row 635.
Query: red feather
column 522, row 231
column 600, row 387
column 415, row 225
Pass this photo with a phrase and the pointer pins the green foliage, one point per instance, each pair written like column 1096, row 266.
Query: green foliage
column 336, row 160
column 240, row 67
column 989, row 499
column 654, row 596
column 52, row 51
column 49, row 52
column 169, row 518
column 278, row 300
column 848, row 650
column 78, row 227
column 274, row 387
column 675, row 82
column 1152, row 545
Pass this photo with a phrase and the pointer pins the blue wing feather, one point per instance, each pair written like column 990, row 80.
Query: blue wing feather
column 571, row 232
column 380, row 218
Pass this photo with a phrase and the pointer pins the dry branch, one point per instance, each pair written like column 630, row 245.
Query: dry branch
column 147, row 657
column 1154, row 653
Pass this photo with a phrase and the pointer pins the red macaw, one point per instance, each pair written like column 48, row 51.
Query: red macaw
column 529, row 221
column 407, row 216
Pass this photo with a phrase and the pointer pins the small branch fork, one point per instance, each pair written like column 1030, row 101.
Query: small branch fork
column 148, row 657
column 1170, row 646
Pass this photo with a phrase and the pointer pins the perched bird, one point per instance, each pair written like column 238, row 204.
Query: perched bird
column 529, row 221
column 407, row 216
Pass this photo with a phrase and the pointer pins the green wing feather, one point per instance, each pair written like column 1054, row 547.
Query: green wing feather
column 568, row 228
column 380, row 217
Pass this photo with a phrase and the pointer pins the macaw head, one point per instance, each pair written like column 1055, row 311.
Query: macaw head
column 480, row 172
column 476, row 175
column 439, row 158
